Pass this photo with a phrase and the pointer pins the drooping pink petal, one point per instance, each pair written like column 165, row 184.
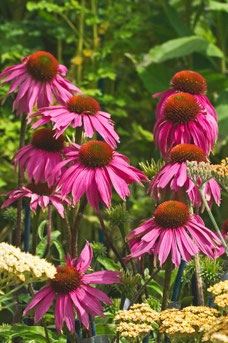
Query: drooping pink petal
column 104, row 276
column 59, row 312
column 44, row 305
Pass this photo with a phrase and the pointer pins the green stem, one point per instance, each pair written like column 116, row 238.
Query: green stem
column 168, row 273
column 123, row 235
column 48, row 230
column 12, row 291
column 109, row 241
column 46, row 330
column 199, row 282
column 81, row 39
column 74, row 241
column 35, row 231
column 213, row 220
column 20, row 180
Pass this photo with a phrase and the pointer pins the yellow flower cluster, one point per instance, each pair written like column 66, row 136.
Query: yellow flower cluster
column 222, row 300
column 220, row 172
column 188, row 322
column 218, row 332
column 17, row 266
column 136, row 322
column 219, row 288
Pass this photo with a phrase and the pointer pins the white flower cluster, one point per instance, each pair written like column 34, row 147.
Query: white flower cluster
column 17, row 266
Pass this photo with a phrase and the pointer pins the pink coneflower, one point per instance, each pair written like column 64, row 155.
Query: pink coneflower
column 77, row 111
column 41, row 156
column 172, row 230
column 182, row 120
column 37, row 78
column 189, row 82
column 172, row 179
column 39, row 194
column 72, row 290
column 96, row 166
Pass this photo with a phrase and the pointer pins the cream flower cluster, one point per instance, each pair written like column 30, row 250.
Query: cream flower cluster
column 219, row 288
column 17, row 266
column 218, row 332
column 190, row 321
column 136, row 322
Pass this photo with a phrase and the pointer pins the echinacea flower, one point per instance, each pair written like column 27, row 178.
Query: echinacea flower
column 79, row 110
column 187, row 81
column 72, row 291
column 183, row 120
column 173, row 178
column 172, row 230
column 37, row 78
column 39, row 194
column 95, row 167
column 41, row 156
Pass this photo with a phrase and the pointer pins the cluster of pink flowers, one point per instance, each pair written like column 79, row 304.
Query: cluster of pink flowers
column 55, row 170
column 186, row 130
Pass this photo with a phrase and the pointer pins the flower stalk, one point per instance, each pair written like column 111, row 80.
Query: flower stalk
column 213, row 219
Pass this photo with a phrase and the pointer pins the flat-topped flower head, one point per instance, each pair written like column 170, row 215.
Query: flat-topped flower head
column 95, row 168
column 189, row 81
column 171, row 215
column 39, row 194
column 172, row 230
column 71, row 288
column 187, row 152
column 95, row 154
column 181, row 108
column 41, row 156
column 182, row 119
column 173, row 180
column 76, row 111
column 37, row 79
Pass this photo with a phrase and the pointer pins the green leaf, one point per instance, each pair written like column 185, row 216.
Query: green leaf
column 59, row 248
column 180, row 47
column 41, row 229
column 108, row 263
column 155, row 77
column 221, row 108
column 174, row 19
column 217, row 6
column 154, row 286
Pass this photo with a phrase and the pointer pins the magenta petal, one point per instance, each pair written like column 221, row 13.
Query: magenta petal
column 85, row 258
column 44, row 306
column 59, row 312
column 82, row 315
column 105, row 276
column 38, row 297
column 98, row 294
column 69, row 313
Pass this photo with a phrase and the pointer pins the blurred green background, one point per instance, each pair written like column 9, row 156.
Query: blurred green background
column 120, row 52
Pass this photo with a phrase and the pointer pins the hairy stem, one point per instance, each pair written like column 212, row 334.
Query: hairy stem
column 199, row 282
column 74, row 241
column 109, row 241
column 20, row 180
column 213, row 220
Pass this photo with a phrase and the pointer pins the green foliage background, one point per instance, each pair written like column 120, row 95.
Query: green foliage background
column 120, row 52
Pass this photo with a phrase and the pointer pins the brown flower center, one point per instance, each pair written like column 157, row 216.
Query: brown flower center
column 66, row 280
column 83, row 104
column 44, row 139
column 189, row 81
column 187, row 152
column 95, row 154
column 41, row 188
column 42, row 66
column 181, row 108
column 171, row 214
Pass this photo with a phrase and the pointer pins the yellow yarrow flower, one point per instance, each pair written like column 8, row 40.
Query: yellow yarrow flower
column 17, row 266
